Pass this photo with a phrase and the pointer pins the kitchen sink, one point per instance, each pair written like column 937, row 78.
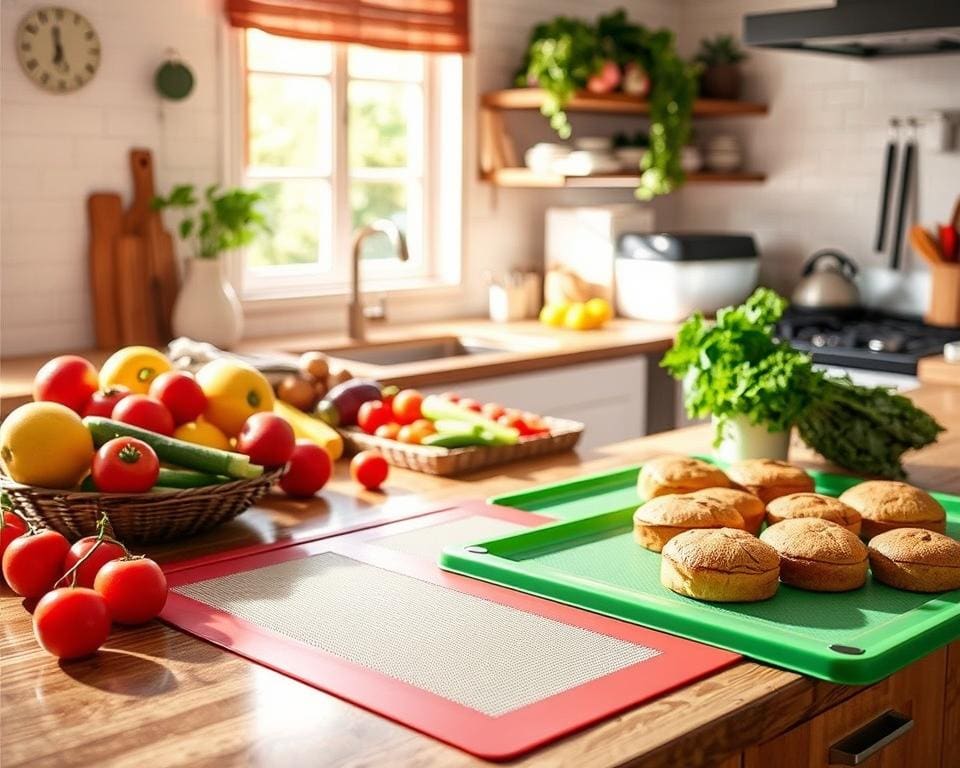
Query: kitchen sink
column 417, row 350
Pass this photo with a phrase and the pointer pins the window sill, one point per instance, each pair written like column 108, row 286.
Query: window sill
column 333, row 296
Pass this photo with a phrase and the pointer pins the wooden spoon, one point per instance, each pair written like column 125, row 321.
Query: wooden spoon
column 926, row 245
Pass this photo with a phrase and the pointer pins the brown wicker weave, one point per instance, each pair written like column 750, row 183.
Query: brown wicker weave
column 432, row 460
column 138, row 518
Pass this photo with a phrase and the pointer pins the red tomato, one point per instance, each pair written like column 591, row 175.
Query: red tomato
column 373, row 414
column 181, row 394
column 134, row 589
column 11, row 526
column 309, row 470
column 406, row 406
column 414, row 433
column 105, row 552
column 34, row 561
column 71, row 623
column 535, row 423
column 453, row 397
column 267, row 439
column 369, row 469
column 470, row 404
column 493, row 411
column 125, row 465
column 388, row 393
column 103, row 401
column 68, row 379
column 144, row 412
column 515, row 420
column 388, row 431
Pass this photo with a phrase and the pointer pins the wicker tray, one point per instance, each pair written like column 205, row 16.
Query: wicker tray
column 138, row 518
column 432, row 460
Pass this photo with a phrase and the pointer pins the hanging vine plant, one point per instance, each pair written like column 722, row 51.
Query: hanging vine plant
column 566, row 55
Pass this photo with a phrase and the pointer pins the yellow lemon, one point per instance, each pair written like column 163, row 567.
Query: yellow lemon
column 202, row 432
column 133, row 368
column 578, row 318
column 235, row 391
column 553, row 314
column 600, row 310
column 45, row 444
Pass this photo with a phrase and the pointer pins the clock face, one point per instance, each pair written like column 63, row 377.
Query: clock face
column 58, row 49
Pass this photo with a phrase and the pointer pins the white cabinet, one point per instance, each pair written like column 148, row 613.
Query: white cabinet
column 610, row 396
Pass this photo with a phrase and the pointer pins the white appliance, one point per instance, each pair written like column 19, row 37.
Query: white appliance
column 584, row 240
column 667, row 277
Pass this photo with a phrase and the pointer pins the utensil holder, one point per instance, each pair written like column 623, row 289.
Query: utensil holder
column 944, row 309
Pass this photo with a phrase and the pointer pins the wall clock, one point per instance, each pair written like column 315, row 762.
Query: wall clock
column 58, row 49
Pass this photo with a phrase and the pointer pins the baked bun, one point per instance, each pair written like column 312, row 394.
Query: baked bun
column 662, row 518
column 749, row 506
column 818, row 555
column 916, row 559
column 888, row 504
column 813, row 505
column 769, row 479
column 665, row 475
column 724, row 565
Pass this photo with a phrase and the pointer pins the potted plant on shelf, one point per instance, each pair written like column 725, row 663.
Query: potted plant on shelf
column 566, row 55
column 720, row 58
column 207, row 307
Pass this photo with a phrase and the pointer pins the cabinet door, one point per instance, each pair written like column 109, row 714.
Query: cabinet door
column 916, row 692
column 609, row 397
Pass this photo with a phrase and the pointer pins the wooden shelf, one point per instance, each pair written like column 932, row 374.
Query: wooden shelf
column 525, row 178
column 615, row 103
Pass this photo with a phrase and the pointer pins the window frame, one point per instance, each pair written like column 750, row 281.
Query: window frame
column 442, row 182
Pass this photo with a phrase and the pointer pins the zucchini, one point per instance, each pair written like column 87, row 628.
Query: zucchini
column 187, row 478
column 209, row 460
column 440, row 409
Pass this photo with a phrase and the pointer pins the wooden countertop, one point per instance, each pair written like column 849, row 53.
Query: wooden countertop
column 518, row 347
column 936, row 370
column 157, row 697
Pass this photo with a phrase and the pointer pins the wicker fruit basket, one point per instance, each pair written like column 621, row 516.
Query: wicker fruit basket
column 138, row 518
column 432, row 460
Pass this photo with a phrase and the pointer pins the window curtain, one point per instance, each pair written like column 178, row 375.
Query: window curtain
column 434, row 26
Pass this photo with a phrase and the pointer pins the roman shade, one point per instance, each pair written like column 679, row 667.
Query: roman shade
column 435, row 26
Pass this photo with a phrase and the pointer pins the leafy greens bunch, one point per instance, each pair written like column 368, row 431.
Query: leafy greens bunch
column 737, row 367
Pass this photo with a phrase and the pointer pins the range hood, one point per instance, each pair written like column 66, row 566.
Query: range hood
column 863, row 28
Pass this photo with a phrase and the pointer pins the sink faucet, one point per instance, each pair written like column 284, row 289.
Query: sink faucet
column 355, row 311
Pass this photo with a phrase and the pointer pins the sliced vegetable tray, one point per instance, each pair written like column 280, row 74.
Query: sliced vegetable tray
column 589, row 559
column 433, row 460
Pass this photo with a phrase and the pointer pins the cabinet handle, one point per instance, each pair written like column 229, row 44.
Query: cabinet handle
column 857, row 747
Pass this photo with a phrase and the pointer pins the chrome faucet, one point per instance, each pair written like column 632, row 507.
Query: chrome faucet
column 355, row 310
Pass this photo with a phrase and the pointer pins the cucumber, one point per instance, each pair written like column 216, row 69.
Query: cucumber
column 209, row 460
column 461, row 440
column 451, row 427
column 440, row 409
column 187, row 478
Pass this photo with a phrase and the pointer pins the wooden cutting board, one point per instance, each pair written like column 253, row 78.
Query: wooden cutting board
column 105, row 213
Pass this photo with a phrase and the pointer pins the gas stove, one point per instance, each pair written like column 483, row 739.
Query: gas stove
column 864, row 339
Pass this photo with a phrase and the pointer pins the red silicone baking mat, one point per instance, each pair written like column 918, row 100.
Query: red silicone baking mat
column 370, row 617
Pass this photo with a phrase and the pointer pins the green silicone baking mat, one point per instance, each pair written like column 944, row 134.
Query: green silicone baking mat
column 589, row 559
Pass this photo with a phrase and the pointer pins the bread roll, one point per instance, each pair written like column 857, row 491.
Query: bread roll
column 818, row 555
column 750, row 507
column 916, row 559
column 662, row 518
column 665, row 475
column 888, row 504
column 813, row 505
column 769, row 479
column 722, row 565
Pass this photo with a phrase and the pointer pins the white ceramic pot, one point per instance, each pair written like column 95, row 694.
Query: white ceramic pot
column 742, row 440
column 207, row 308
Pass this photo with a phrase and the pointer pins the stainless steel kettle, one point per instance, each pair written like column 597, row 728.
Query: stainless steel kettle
column 827, row 281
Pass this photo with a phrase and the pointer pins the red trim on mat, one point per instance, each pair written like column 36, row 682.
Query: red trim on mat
column 680, row 662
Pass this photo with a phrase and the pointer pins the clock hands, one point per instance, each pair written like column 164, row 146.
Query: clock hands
column 58, row 60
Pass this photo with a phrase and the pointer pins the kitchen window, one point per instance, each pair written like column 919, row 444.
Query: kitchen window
column 339, row 136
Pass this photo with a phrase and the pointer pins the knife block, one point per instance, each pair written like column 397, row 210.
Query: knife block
column 944, row 309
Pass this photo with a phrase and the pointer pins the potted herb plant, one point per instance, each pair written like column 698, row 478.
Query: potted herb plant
column 720, row 58
column 756, row 388
column 566, row 55
column 207, row 307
